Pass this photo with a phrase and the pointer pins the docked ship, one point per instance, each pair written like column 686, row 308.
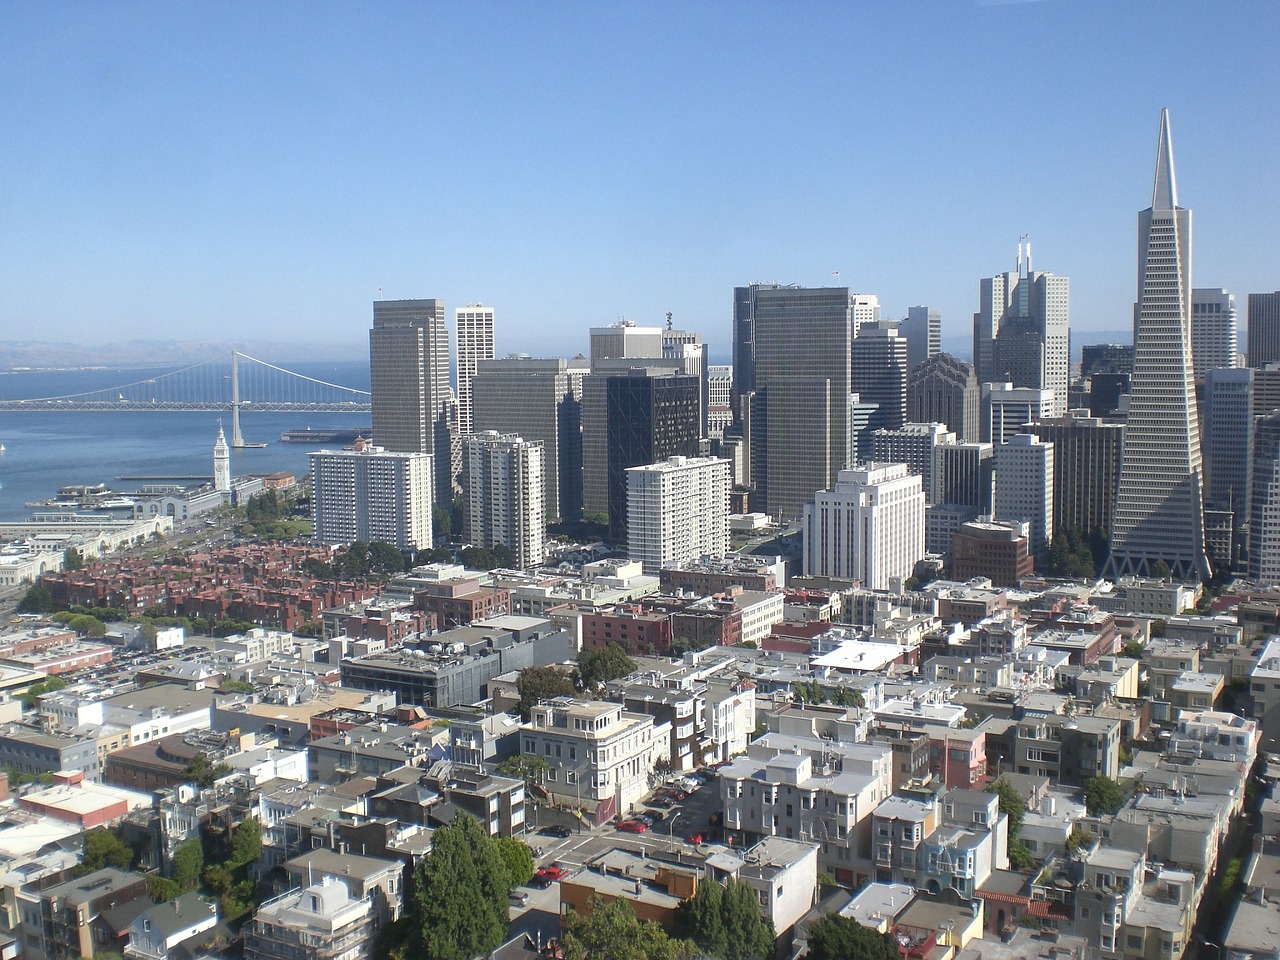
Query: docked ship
column 308, row 435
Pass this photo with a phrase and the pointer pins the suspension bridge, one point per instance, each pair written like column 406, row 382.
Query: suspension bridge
column 229, row 383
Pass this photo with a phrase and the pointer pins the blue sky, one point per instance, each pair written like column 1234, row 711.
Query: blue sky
column 202, row 170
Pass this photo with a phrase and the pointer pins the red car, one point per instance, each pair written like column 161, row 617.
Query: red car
column 696, row 839
column 632, row 826
column 551, row 873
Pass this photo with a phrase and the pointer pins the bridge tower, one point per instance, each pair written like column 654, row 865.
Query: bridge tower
column 237, row 438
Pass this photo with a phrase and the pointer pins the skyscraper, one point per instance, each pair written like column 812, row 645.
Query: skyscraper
column 1086, row 469
column 409, row 382
column 1264, row 506
column 913, row 444
column 744, row 342
column 474, row 324
column 1159, row 512
column 923, row 330
column 802, row 357
column 1006, row 409
column 1020, row 332
column 943, row 389
column 1264, row 329
column 538, row 400
column 1228, row 446
column 878, row 372
column 503, row 477
column 1024, row 487
column 1213, row 330
column 866, row 309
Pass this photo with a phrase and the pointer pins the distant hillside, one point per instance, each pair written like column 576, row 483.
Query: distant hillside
column 42, row 354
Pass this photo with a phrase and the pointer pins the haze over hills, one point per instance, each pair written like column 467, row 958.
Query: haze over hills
column 131, row 354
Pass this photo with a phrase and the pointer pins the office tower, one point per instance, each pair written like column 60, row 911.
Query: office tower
column 802, row 365
column 625, row 339
column 1106, row 358
column 474, row 325
column 1100, row 393
column 1024, row 487
column 1214, row 343
column 371, row 494
column 1264, row 329
column 221, row 462
column 686, row 348
column 995, row 549
column 409, row 382
column 719, row 399
column 1086, row 469
column 595, row 424
column 914, row 445
column 744, row 343
column 539, row 401
column 1266, row 389
column 503, row 479
column 861, row 429
column 923, row 331
column 1159, row 513
column 1264, row 505
column 1020, row 332
column 647, row 418
column 943, row 389
column 962, row 474
column 868, row 528
column 878, row 372
column 865, row 309
column 1228, row 447
column 678, row 511
column 1006, row 409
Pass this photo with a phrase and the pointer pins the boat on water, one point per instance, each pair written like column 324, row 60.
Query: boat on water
column 312, row 435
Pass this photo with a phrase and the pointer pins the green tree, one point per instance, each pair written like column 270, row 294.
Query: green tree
column 102, row 848
column 188, row 862
column 1102, row 795
column 87, row 625
column 748, row 935
column 1160, row 570
column 434, row 555
column 517, row 858
column 1132, row 649
column 841, row 938
column 161, row 889
column 72, row 559
column 541, row 683
column 612, row 932
column 526, row 766
column 700, row 919
column 385, row 558
column 1011, row 804
column 32, row 695
column 478, row 558
column 36, row 600
column 600, row 666
column 246, row 842
column 460, row 894
column 441, row 526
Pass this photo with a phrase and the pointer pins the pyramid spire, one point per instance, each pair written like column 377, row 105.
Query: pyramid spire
column 1164, row 195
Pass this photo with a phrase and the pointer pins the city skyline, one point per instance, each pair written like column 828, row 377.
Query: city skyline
column 180, row 172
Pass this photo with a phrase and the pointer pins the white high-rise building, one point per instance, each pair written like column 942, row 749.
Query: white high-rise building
column 1020, row 332
column 1214, row 339
column 503, row 475
column 678, row 511
column 474, row 325
column 865, row 309
column 371, row 494
column 1024, row 487
column 1159, row 513
column 1006, row 409
column 923, row 330
column 869, row 528
column 221, row 463
column 719, row 399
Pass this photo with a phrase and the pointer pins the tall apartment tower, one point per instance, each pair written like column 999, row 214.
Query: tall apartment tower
column 221, row 462
column 1264, row 506
column 1086, row 469
column 923, row 330
column 943, row 389
column 1020, row 332
column 1264, row 329
column 409, row 382
column 869, row 527
column 1159, row 507
column 800, row 427
column 503, row 478
column 1214, row 340
column 1227, row 422
column 913, row 444
column 369, row 493
column 678, row 511
column 1024, row 487
column 744, row 342
column 962, row 475
column 474, row 325
column 540, row 401
column 878, row 372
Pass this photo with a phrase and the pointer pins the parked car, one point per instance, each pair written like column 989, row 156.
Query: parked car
column 657, row 816
column 552, row 872
column 644, row 818
column 519, row 899
column 557, row 830
column 664, row 801
column 540, row 881
column 632, row 826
